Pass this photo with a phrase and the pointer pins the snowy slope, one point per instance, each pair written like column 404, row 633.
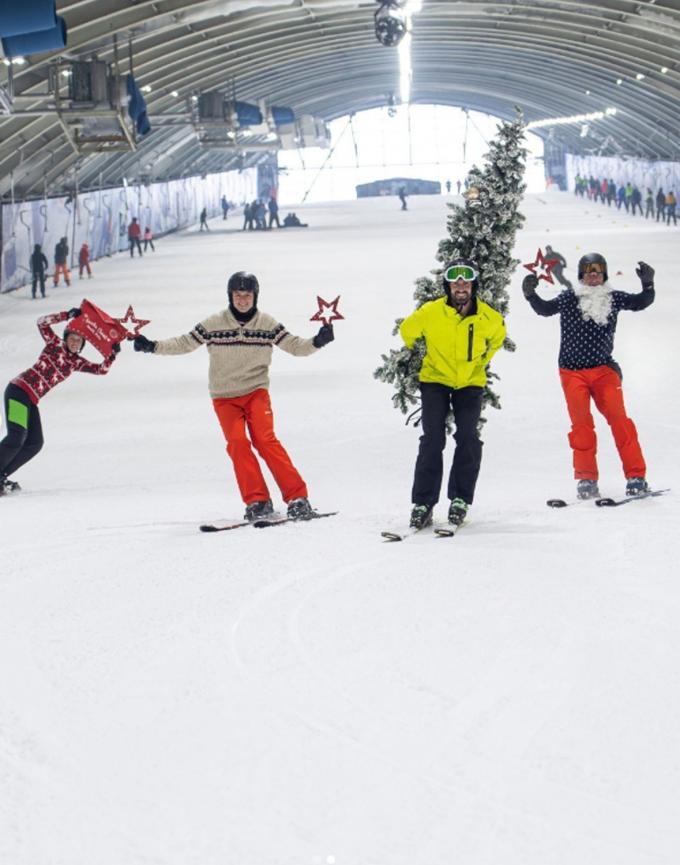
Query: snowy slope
column 307, row 694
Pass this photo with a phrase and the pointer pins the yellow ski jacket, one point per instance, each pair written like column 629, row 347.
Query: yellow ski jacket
column 458, row 349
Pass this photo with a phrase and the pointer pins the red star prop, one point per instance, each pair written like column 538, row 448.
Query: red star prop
column 543, row 265
column 325, row 305
column 138, row 323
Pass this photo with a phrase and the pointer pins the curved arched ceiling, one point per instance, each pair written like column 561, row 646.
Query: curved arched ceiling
column 549, row 57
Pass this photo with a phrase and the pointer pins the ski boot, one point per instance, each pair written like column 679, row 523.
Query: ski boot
column 300, row 509
column 587, row 489
column 421, row 516
column 636, row 486
column 7, row 486
column 457, row 511
column 258, row 511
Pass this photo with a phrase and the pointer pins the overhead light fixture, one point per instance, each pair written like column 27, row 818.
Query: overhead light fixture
column 146, row 88
column 619, row 80
column 174, row 93
column 584, row 130
column 640, row 76
column 391, row 23
column 574, row 118
column 587, row 92
column 664, row 70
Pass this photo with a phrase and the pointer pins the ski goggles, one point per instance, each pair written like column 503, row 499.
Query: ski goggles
column 594, row 267
column 460, row 271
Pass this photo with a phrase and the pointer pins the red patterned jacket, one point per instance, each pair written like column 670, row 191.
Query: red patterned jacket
column 55, row 362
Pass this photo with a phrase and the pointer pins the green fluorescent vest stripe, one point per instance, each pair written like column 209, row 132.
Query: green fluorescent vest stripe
column 17, row 413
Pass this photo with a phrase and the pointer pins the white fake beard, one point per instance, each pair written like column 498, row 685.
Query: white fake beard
column 595, row 302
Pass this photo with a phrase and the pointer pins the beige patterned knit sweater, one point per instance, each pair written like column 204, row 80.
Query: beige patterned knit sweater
column 240, row 354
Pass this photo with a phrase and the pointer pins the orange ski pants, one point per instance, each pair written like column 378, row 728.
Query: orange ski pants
column 254, row 411
column 62, row 268
column 604, row 386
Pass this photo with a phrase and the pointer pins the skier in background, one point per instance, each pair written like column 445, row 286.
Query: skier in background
column 558, row 269
column 274, row 213
column 134, row 233
column 462, row 334
column 84, row 261
column 402, row 197
column 39, row 265
column 58, row 360
column 240, row 340
column 588, row 317
column 61, row 262
column 148, row 239
column 204, row 220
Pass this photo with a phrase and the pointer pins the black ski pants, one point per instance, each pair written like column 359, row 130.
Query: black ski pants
column 24, row 431
column 38, row 277
column 134, row 242
column 437, row 401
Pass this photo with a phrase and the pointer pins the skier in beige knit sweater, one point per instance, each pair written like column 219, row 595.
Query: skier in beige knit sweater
column 240, row 341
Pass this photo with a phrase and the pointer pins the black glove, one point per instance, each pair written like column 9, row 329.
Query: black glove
column 115, row 348
column 74, row 312
column 529, row 284
column 324, row 336
column 646, row 274
column 144, row 344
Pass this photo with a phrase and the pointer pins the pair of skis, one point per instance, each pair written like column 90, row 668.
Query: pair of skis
column 606, row 502
column 265, row 523
column 438, row 531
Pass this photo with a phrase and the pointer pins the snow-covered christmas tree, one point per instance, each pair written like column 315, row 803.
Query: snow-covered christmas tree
column 483, row 230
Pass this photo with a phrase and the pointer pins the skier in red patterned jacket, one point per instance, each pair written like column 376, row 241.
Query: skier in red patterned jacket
column 58, row 360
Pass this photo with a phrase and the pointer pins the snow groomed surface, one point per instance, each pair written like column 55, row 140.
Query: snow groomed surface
column 313, row 695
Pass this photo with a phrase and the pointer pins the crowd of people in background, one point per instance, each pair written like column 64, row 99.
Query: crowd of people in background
column 660, row 205
column 256, row 215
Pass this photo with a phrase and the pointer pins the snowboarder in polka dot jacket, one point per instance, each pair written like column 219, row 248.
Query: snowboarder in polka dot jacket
column 588, row 317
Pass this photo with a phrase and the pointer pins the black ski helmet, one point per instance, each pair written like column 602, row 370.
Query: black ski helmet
column 591, row 258
column 459, row 262
column 242, row 281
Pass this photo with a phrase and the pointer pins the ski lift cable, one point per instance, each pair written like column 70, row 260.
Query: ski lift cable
column 325, row 162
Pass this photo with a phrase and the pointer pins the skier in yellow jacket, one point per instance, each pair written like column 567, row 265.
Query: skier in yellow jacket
column 462, row 333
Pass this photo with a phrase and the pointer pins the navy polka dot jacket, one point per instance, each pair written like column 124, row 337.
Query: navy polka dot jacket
column 584, row 343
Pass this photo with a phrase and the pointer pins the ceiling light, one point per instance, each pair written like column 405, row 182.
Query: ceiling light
column 19, row 61
column 174, row 93
column 146, row 88
column 640, row 76
column 619, row 80
column 574, row 118
column 584, row 130
column 664, row 70
column 587, row 92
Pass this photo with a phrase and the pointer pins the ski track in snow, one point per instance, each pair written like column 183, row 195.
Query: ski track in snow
column 309, row 693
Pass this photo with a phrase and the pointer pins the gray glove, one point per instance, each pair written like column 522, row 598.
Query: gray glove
column 646, row 274
column 529, row 284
